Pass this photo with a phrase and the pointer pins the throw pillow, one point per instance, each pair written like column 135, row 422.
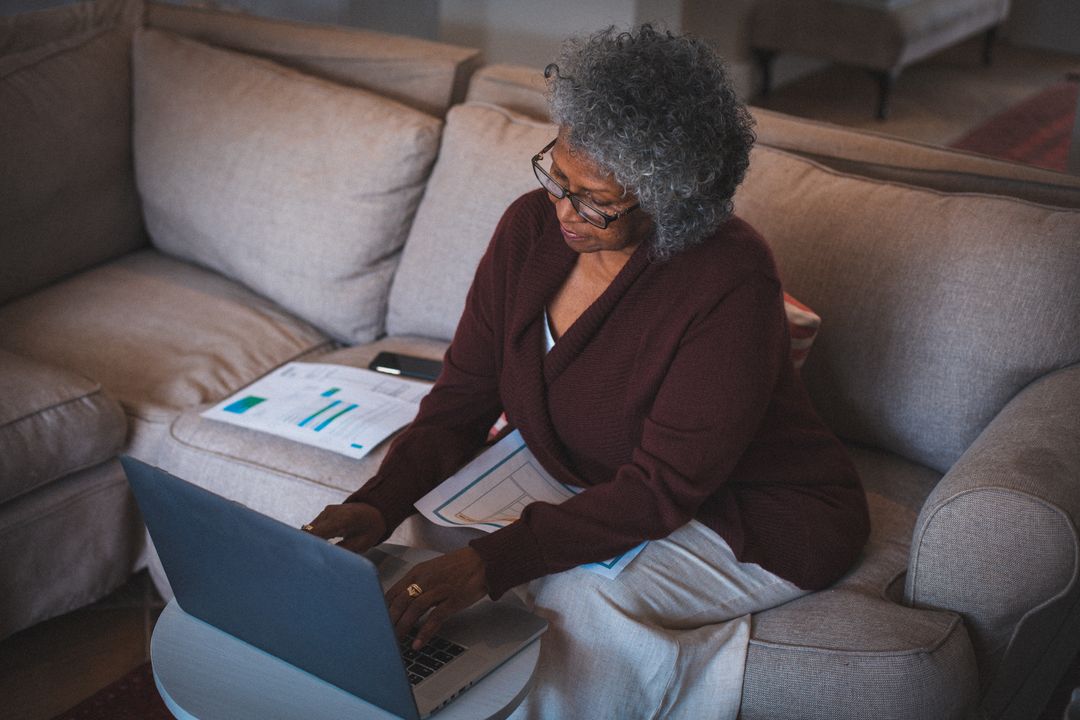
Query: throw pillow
column 300, row 188
column 482, row 168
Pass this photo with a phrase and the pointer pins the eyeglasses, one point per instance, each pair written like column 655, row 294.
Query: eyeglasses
column 590, row 213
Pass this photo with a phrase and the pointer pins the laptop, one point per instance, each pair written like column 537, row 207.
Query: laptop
column 313, row 604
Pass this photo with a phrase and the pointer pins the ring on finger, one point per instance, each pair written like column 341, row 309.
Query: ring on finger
column 414, row 590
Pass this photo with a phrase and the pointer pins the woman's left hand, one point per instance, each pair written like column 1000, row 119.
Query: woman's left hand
column 445, row 585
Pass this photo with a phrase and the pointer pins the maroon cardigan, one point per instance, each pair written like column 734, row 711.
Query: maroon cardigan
column 672, row 397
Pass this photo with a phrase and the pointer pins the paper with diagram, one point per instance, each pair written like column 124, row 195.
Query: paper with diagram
column 493, row 489
column 336, row 407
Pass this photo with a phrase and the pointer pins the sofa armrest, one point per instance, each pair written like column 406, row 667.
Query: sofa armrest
column 996, row 541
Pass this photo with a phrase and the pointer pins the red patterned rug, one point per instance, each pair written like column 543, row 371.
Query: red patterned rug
column 1036, row 131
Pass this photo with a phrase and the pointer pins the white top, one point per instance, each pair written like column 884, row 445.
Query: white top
column 549, row 339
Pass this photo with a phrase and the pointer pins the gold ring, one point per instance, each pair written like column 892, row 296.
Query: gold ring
column 307, row 528
column 414, row 590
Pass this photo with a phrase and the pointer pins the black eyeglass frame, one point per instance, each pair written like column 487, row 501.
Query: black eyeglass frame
column 576, row 200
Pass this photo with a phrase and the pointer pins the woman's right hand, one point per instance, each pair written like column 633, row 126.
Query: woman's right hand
column 360, row 525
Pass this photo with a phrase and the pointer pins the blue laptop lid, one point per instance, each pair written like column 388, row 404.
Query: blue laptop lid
column 310, row 603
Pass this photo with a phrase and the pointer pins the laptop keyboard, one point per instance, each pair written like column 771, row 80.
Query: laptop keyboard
column 423, row 663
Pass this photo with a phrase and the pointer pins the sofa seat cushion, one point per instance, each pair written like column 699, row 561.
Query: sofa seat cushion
column 300, row 188
column 924, row 295
column 159, row 334
column 854, row 650
column 67, row 189
column 52, row 423
column 279, row 477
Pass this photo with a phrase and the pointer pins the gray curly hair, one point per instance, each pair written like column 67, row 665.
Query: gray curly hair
column 658, row 112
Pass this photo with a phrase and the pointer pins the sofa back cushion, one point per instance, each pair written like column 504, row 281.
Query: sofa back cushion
column 884, row 157
column 429, row 76
column 483, row 166
column 302, row 189
column 515, row 87
column 67, row 190
column 938, row 307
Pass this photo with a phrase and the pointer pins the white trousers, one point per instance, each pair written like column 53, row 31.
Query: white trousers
column 667, row 638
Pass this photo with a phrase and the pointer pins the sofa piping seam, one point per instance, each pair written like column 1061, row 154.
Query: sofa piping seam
column 99, row 390
column 82, row 494
column 927, row 650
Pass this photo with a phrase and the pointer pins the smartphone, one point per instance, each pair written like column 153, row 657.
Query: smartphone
column 406, row 365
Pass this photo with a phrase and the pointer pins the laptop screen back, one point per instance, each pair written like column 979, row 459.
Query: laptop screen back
column 312, row 604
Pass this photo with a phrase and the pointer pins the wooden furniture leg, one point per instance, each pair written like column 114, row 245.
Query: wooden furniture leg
column 764, row 59
column 886, row 80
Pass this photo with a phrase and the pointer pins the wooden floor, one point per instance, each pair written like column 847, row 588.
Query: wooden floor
column 52, row 666
column 48, row 668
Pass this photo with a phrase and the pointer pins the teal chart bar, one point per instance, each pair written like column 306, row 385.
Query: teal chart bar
column 309, row 418
column 334, row 417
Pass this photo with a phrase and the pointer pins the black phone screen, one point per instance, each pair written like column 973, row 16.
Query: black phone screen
column 406, row 365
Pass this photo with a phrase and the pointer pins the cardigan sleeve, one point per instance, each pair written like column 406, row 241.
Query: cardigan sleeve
column 454, row 418
column 706, row 412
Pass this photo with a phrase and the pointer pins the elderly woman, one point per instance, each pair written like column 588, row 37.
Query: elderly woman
column 633, row 330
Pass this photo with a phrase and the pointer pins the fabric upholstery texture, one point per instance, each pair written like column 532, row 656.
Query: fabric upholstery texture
column 912, row 304
column 888, row 158
column 816, row 657
column 483, row 166
column 279, row 477
column 428, row 76
column 514, row 87
column 998, row 537
column 298, row 187
column 52, row 422
column 158, row 333
column 66, row 544
column 67, row 191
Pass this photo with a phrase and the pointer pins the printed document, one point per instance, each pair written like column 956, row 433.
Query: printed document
column 492, row 490
column 335, row 407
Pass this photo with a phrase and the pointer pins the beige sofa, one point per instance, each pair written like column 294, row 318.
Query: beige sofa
column 197, row 217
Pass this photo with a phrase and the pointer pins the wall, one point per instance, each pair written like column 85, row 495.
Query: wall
column 725, row 25
column 526, row 32
column 1048, row 24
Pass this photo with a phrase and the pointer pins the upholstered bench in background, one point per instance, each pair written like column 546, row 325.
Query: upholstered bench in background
column 883, row 36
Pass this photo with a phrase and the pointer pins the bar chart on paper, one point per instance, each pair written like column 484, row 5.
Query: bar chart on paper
column 344, row 409
column 523, row 482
